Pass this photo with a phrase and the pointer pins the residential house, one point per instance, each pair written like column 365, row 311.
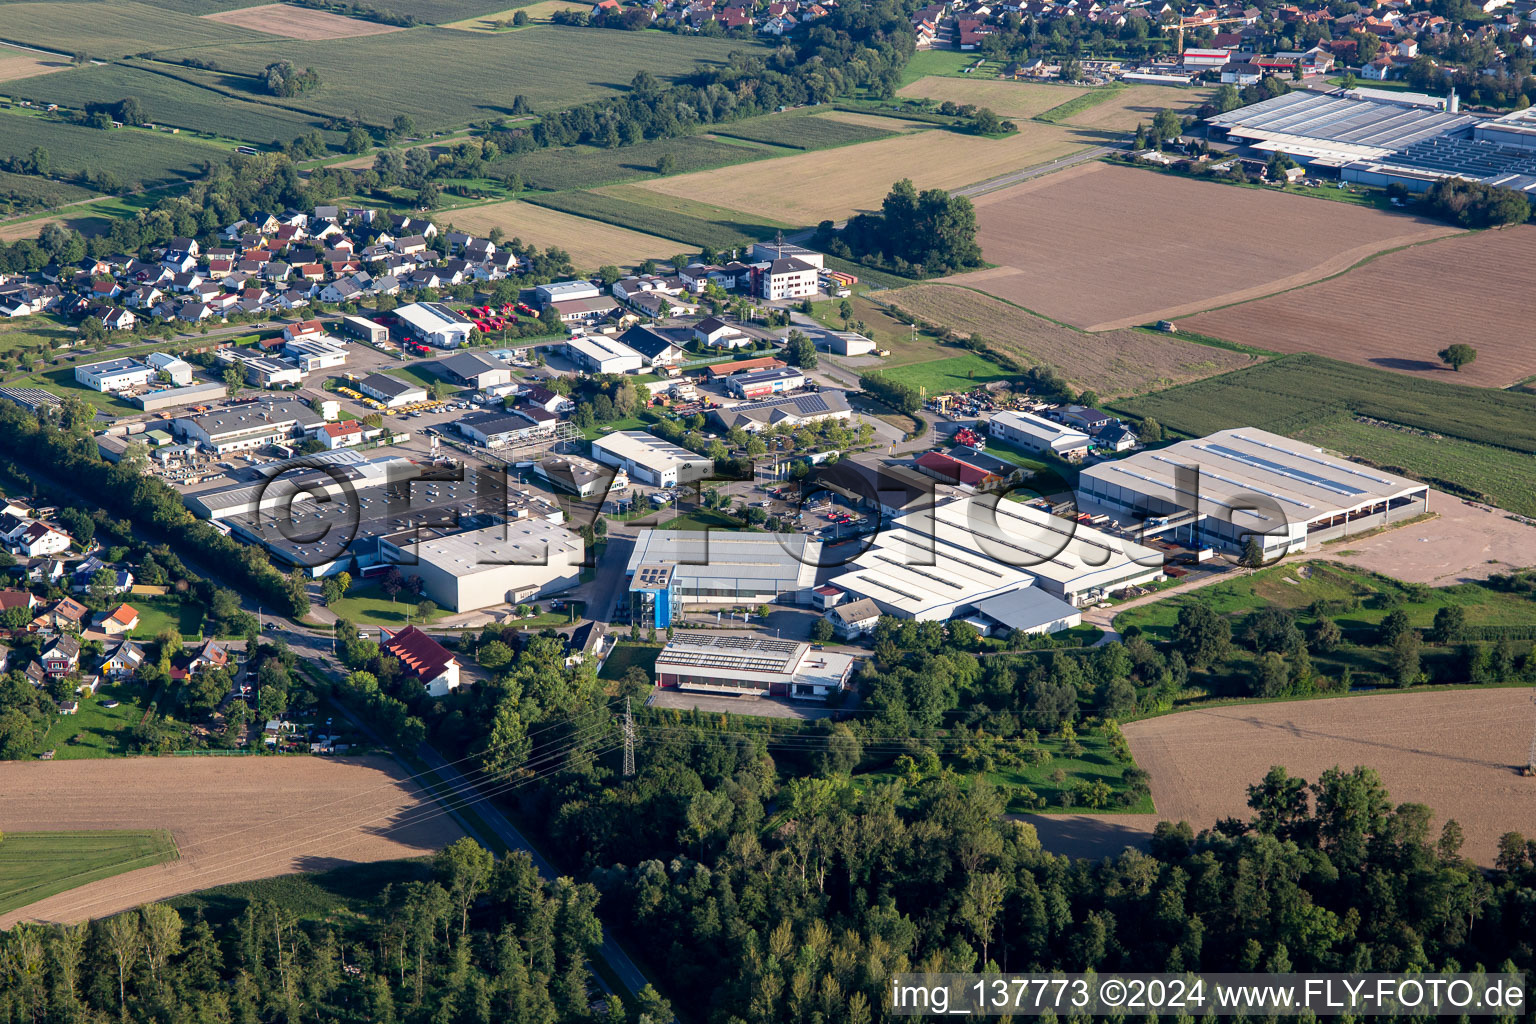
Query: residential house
column 853, row 619
column 62, row 655
column 123, row 660
column 122, row 619
column 424, row 658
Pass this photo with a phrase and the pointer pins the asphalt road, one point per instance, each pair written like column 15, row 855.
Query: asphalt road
column 1014, row 177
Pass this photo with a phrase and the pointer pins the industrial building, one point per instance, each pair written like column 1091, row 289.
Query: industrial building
column 168, row 398
column 566, row 291
column 1419, row 166
column 1038, row 434
column 651, row 460
column 392, row 391
column 474, row 370
column 599, row 353
column 933, row 564
column 784, row 411
column 762, row 383
column 435, row 324
column 370, row 331
column 1031, row 611
column 750, row 666
column 507, row 563
column 177, row 371
column 1218, row 491
column 495, row 429
column 581, row 477
column 724, row 568
column 114, row 375
column 263, row 371
column 243, row 427
column 296, row 484
column 1330, row 130
column 313, row 354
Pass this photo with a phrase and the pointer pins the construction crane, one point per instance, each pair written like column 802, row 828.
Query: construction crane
column 1178, row 26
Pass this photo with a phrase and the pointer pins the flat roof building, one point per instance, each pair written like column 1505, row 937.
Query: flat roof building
column 114, row 375
column 1039, row 434
column 762, row 383
column 495, row 429
column 504, row 564
column 730, row 567
column 168, row 398
column 313, row 354
column 178, row 371
column 368, row 330
column 565, row 291
column 1331, row 130
column 750, row 665
column 599, row 353
column 1220, row 490
column 651, row 460
column 240, row 428
column 933, row 564
column 435, row 324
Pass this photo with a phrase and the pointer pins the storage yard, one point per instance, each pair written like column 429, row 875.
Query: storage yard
column 1392, row 313
column 1165, row 246
column 1113, row 363
column 233, row 819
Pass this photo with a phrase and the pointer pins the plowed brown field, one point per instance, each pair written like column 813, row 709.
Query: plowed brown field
column 1102, row 246
column 1396, row 312
column 292, row 22
column 1455, row 752
column 234, row 819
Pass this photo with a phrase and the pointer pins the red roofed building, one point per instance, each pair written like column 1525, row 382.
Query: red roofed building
column 344, row 434
column 953, row 471
column 426, row 659
column 123, row 619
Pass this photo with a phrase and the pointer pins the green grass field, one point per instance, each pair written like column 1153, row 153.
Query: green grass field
column 97, row 730
column 444, row 77
column 801, row 130
column 156, row 614
column 655, row 213
column 1318, row 397
column 579, row 167
column 1078, row 104
column 626, row 656
column 34, row 335
column 367, row 605
column 36, row 865
column 133, row 155
column 935, row 62
column 344, row 892
column 116, row 29
column 185, row 100
column 952, row 373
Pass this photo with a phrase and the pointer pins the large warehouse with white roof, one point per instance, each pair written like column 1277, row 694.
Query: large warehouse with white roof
column 1250, row 483
column 939, row 562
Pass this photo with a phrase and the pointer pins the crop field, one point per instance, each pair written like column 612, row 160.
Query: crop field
column 180, row 101
column 1123, row 110
column 1112, row 363
column 880, row 122
column 233, row 819
column 1317, row 398
column 590, row 243
column 1452, row 751
column 803, row 131
column 292, row 22
column 633, row 208
column 133, row 154
column 473, row 76
column 1393, row 312
column 1008, row 99
column 36, row 865
column 28, row 190
column 438, row 12
column 18, row 63
column 538, row 13
column 1151, row 246
column 114, row 28
column 590, row 166
column 807, row 188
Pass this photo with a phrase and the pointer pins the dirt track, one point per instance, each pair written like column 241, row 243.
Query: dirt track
column 233, row 819
column 1104, row 247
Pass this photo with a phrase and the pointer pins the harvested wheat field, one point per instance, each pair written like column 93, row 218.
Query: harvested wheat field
column 292, row 22
column 876, row 121
column 18, row 63
column 833, row 183
column 1457, row 752
column 1113, row 363
column 1139, row 104
column 591, row 243
column 1102, row 246
column 1009, row 99
column 538, row 13
column 1396, row 312
column 233, row 819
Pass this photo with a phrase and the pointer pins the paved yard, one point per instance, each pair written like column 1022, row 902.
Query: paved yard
column 763, row 707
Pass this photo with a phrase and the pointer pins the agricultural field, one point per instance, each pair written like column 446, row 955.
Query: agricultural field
column 538, row 13
column 132, row 154
column 642, row 210
column 590, row 243
column 474, row 76
column 1318, row 398
column 232, row 818
column 1125, row 108
column 115, row 28
column 1361, row 316
column 1152, row 246
column 800, row 130
column 36, row 865
column 1111, row 363
column 1007, row 99
column 881, row 122
column 18, row 63
column 292, row 22
column 1452, row 751
column 187, row 100
column 579, row 167
column 807, row 188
